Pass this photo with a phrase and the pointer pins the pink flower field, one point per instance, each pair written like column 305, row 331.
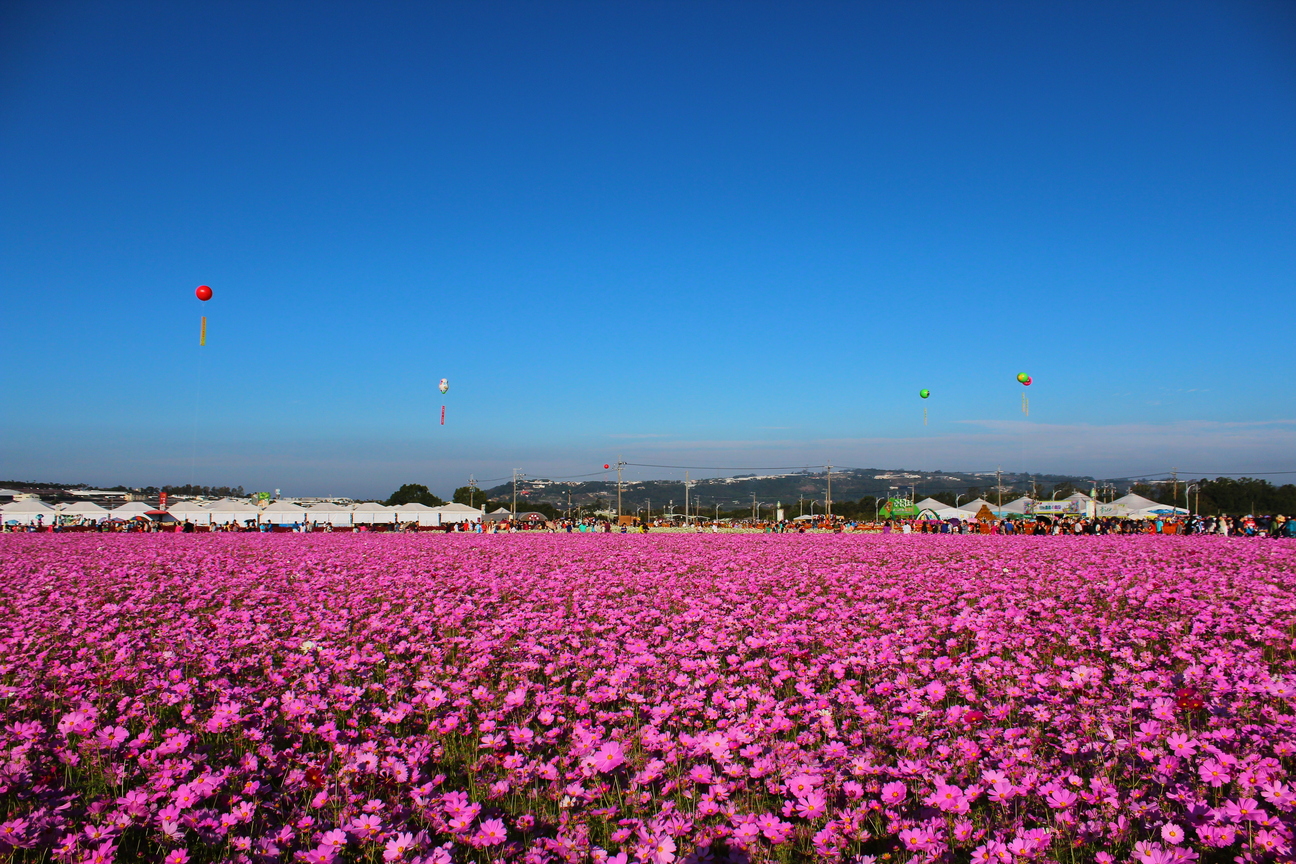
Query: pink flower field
column 320, row 698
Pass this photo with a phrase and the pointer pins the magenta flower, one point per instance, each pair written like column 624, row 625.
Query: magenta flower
column 609, row 757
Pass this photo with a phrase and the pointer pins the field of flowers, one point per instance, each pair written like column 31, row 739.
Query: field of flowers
column 646, row 698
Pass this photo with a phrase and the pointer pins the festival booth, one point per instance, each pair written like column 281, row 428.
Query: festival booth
column 131, row 510
column 28, row 511
column 943, row 511
column 418, row 513
column 282, row 513
column 227, row 511
column 500, row 514
column 372, row 513
column 457, row 513
column 1077, row 504
column 336, row 515
column 87, row 510
column 1018, row 507
column 190, row 511
column 1133, row 506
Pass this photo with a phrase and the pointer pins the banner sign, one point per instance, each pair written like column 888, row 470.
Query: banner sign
column 1055, row 508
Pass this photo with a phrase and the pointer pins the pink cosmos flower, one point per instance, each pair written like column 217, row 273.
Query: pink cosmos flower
column 1060, row 799
column 894, row 793
column 609, row 757
column 1172, row 833
column 396, row 848
column 947, row 798
column 492, row 832
column 802, row 784
column 811, row 806
column 661, row 850
column 176, row 856
column 1213, row 772
column 366, row 827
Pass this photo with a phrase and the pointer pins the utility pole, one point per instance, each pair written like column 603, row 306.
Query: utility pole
column 1174, row 473
column 620, row 464
column 828, row 500
column 516, row 476
column 753, row 506
column 472, row 487
column 999, row 484
column 687, row 484
column 649, row 519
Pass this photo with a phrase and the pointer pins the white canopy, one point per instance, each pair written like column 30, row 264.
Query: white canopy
column 372, row 513
column 1017, row 506
column 190, row 511
column 332, row 514
column 282, row 513
column 944, row 511
column 1138, row 507
column 87, row 510
column 415, row 512
column 228, row 510
column 26, row 511
column 458, row 513
column 130, row 510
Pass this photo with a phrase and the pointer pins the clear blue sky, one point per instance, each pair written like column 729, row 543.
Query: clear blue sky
column 729, row 234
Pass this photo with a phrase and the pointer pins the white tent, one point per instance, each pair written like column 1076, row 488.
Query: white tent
column 27, row 511
column 974, row 506
column 190, row 511
column 282, row 513
column 1137, row 507
column 331, row 514
column 415, row 512
column 458, row 513
column 1020, row 506
column 944, row 511
column 372, row 513
column 227, row 510
column 130, row 510
column 86, row 510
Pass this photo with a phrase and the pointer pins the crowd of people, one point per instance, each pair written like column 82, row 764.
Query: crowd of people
column 1278, row 526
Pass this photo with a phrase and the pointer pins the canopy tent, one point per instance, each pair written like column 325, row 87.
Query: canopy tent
column 1018, row 506
column 327, row 513
column 28, row 511
column 372, row 513
column 227, row 510
column 1133, row 506
column 190, row 511
column 458, row 513
column 282, row 513
column 130, row 510
column 974, row 506
column 86, row 510
column 944, row 511
column 416, row 512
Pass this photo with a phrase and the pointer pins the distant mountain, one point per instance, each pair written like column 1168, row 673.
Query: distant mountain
column 737, row 492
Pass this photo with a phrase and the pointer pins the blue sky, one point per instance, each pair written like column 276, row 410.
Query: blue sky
column 721, row 234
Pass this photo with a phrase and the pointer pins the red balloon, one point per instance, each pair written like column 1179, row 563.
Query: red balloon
column 203, row 293
column 607, row 466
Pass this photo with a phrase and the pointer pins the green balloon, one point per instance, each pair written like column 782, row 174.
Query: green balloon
column 1022, row 377
column 924, row 393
